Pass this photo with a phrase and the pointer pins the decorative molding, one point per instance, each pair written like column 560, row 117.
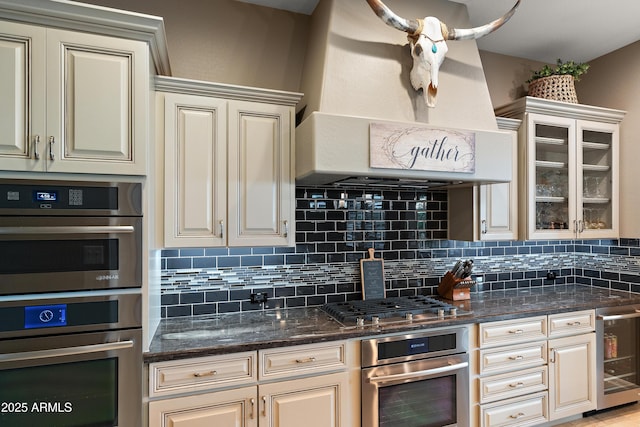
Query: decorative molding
column 530, row 104
column 221, row 90
column 70, row 15
column 505, row 123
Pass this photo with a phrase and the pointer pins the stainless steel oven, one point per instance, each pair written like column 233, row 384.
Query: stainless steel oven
column 618, row 355
column 68, row 236
column 71, row 362
column 416, row 380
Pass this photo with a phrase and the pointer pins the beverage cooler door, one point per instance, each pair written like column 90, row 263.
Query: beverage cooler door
column 618, row 353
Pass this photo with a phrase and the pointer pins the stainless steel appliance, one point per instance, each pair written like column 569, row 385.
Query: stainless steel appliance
column 416, row 380
column 618, row 355
column 70, row 303
column 71, row 361
column 69, row 236
column 380, row 312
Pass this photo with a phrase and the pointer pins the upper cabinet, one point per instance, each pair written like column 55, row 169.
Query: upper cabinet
column 75, row 92
column 228, row 164
column 489, row 211
column 569, row 174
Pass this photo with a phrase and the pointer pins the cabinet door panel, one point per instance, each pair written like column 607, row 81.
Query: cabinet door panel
column 195, row 171
column 22, row 99
column 572, row 367
column 97, row 109
column 319, row 401
column 233, row 408
column 260, row 175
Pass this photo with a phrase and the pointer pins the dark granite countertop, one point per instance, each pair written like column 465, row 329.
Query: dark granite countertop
column 178, row 338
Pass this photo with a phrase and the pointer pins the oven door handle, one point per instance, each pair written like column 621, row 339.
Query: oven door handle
column 68, row 351
column 89, row 229
column 619, row 316
column 418, row 375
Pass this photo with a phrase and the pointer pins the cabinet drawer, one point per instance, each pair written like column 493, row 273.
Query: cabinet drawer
column 522, row 411
column 513, row 357
column 201, row 373
column 577, row 322
column 513, row 331
column 302, row 360
column 513, row 384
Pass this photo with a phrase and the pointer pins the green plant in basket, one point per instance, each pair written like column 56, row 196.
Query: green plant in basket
column 562, row 68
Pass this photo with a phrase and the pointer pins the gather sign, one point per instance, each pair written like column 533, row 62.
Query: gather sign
column 416, row 147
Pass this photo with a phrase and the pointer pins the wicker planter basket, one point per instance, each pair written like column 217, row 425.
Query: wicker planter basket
column 557, row 88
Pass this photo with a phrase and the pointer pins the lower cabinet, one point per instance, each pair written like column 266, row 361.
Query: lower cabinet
column 572, row 383
column 314, row 388
column 319, row 401
column 535, row 370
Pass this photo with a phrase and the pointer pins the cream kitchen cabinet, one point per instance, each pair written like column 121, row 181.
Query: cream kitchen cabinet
column 538, row 369
column 490, row 211
column 513, row 378
column 72, row 102
column 228, row 164
column 569, row 177
column 572, row 364
column 274, row 388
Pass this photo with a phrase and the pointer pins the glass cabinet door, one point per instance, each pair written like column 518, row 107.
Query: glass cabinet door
column 597, row 179
column 552, row 177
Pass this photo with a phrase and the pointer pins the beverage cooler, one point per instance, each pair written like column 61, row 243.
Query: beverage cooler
column 618, row 350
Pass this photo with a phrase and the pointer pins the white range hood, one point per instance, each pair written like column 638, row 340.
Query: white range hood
column 357, row 72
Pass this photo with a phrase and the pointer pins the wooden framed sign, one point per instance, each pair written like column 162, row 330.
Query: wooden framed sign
column 400, row 146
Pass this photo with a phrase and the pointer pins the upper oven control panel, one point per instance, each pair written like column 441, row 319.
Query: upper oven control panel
column 27, row 197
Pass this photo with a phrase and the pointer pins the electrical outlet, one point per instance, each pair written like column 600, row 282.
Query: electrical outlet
column 259, row 298
column 551, row 275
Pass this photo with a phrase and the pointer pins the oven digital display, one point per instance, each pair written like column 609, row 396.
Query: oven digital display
column 45, row 316
column 46, row 196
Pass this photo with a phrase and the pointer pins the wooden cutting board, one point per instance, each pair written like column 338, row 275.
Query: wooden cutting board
column 372, row 277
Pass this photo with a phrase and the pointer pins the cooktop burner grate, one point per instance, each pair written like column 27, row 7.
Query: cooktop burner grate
column 389, row 308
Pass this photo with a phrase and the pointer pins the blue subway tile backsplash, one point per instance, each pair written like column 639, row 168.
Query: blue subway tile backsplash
column 407, row 229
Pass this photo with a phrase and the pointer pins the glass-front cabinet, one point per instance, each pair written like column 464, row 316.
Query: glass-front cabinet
column 568, row 183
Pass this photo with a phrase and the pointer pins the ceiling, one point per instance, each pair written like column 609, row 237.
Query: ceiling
column 541, row 30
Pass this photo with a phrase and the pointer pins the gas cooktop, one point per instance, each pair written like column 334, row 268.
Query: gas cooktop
column 392, row 310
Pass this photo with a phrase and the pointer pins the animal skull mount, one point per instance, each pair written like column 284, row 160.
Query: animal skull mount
column 427, row 38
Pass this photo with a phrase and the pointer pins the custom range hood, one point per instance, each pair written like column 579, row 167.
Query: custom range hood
column 356, row 79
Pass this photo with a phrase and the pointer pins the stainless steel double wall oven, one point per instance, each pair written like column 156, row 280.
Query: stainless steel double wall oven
column 70, row 303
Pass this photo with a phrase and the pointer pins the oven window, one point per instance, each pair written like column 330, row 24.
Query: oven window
column 55, row 256
column 426, row 403
column 75, row 394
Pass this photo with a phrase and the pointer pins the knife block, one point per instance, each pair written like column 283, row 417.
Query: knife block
column 455, row 289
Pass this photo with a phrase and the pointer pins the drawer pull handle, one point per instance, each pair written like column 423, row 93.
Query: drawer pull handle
column 264, row 406
column 307, row 360
column 516, row 357
column 253, row 403
column 517, row 331
column 517, row 385
column 205, row 374
column 518, row 415
column 576, row 323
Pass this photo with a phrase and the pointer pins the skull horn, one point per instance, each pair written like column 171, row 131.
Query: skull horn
column 410, row 26
column 477, row 32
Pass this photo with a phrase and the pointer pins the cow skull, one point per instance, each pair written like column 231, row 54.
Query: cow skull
column 428, row 47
